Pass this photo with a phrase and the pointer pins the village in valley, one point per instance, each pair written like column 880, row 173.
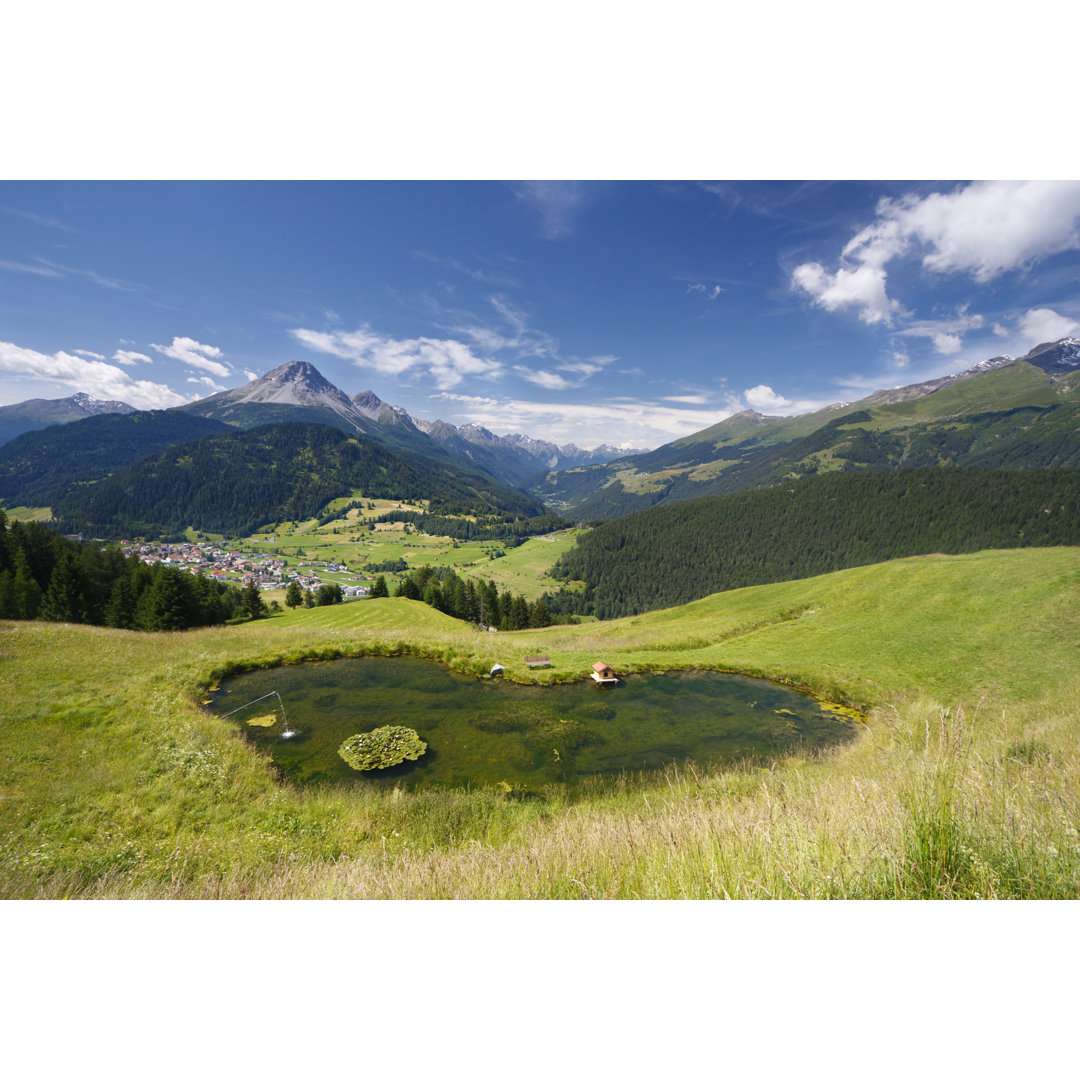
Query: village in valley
column 237, row 567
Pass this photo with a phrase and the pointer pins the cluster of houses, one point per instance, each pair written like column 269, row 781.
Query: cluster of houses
column 236, row 567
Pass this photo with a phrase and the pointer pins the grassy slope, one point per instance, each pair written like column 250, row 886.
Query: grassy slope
column 965, row 782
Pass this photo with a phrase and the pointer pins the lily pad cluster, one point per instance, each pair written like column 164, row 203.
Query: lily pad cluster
column 381, row 748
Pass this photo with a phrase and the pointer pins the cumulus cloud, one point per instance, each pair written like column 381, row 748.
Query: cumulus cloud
column 862, row 287
column 983, row 230
column 764, row 397
column 125, row 356
column 100, row 380
column 447, row 362
column 194, row 354
column 1041, row 325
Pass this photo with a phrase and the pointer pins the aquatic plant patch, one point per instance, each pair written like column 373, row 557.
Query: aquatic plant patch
column 380, row 749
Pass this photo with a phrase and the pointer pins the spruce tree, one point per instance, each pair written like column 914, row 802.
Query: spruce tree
column 26, row 589
column 252, row 601
column 294, row 595
column 64, row 599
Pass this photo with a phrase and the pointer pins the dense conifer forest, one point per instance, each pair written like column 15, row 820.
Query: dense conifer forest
column 480, row 602
column 45, row 576
column 40, row 467
column 236, row 481
column 671, row 555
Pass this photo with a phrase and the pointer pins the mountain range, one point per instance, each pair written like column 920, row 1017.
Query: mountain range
column 1000, row 413
column 41, row 412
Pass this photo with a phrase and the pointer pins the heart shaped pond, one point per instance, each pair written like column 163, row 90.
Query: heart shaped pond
column 495, row 732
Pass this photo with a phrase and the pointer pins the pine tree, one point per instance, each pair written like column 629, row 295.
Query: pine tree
column 294, row 595
column 379, row 588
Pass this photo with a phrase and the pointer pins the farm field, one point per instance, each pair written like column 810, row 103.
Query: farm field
column 348, row 541
column 964, row 782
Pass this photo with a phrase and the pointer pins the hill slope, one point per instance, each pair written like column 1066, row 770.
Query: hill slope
column 41, row 412
column 39, row 467
column 672, row 555
column 1002, row 413
column 234, row 481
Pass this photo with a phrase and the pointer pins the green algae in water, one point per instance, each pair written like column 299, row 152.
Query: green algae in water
column 501, row 734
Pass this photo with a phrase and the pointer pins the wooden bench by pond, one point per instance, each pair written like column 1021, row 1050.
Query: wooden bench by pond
column 537, row 661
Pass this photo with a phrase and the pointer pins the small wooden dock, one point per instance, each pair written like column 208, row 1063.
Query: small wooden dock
column 538, row 661
column 604, row 673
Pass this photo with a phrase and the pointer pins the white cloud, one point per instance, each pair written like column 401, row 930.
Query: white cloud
column 87, row 352
column 1001, row 331
column 125, row 356
column 990, row 226
column 92, row 377
column 557, row 202
column 91, row 275
column 194, row 354
column 549, row 380
column 709, row 292
column 945, row 333
column 484, row 276
column 46, row 220
column 688, row 399
column 1041, row 325
column 764, row 397
column 899, row 360
column 446, row 362
column 27, row 268
column 861, row 286
column 622, row 422
column 205, row 380
column 983, row 229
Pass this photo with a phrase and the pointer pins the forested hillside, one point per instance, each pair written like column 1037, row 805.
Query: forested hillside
column 39, row 467
column 45, row 576
column 236, row 481
column 671, row 555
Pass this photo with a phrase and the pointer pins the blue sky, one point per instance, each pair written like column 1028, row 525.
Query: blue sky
column 621, row 312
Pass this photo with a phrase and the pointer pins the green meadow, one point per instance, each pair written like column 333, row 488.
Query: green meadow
column 962, row 784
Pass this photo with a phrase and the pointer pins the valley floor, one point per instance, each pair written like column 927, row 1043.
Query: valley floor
column 964, row 783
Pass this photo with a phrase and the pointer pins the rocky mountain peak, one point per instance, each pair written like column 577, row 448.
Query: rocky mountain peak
column 1056, row 357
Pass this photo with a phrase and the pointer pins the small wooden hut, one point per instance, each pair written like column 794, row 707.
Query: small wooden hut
column 604, row 673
